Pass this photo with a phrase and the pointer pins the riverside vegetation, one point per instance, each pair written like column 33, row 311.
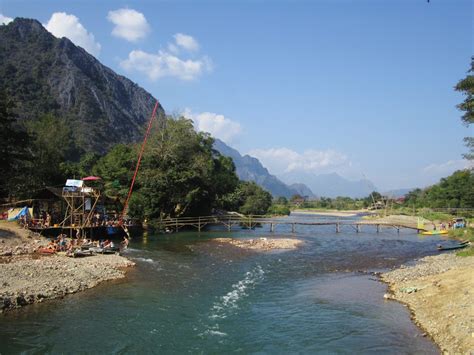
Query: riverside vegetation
column 181, row 173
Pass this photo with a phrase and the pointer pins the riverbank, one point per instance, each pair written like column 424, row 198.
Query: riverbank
column 439, row 291
column 27, row 277
column 262, row 244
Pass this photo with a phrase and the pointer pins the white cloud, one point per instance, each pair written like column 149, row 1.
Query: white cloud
column 186, row 42
column 64, row 25
column 447, row 168
column 284, row 160
column 4, row 20
column 163, row 64
column 217, row 125
column 129, row 24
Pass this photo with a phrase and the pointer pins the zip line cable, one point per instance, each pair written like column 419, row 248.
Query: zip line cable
column 138, row 162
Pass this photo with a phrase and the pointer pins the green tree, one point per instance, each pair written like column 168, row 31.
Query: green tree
column 52, row 146
column 466, row 86
column 181, row 174
column 255, row 200
column 282, row 201
column 116, row 170
column 454, row 191
column 14, row 157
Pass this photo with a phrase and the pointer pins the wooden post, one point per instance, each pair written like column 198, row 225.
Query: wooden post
column 272, row 227
column 199, row 224
column 338, row 228
column 378, row 228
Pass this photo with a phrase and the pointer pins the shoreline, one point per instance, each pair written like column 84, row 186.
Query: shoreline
column 27, row 277
column 438, row 292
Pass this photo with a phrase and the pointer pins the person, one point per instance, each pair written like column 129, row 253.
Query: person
column 62, row 243
column 47, row 222
column 124, row 243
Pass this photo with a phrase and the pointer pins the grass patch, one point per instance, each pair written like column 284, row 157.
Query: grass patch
column 464, row 234
column 466, row 252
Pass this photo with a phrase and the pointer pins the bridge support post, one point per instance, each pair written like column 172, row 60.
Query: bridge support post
column 338, row 227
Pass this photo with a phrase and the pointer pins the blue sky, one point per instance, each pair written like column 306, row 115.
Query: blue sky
column 356, row 87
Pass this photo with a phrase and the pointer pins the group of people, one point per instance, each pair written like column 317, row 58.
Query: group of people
column 99, row 219
column 46, row 219
column 64, row 244
column 443, row 226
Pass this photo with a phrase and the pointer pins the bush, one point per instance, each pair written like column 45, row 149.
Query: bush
column 279, row 210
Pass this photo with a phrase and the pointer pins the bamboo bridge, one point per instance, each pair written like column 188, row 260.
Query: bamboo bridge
column 250, row 222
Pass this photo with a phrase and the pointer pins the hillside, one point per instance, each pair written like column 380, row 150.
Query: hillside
column 45, row 74
column 250, row 169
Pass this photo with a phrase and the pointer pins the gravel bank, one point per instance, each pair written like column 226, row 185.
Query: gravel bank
column 262, row 244
column 26, row 277
column 28, row 280
column 439, row 291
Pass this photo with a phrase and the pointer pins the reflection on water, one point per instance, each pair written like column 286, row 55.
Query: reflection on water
column 187, row 294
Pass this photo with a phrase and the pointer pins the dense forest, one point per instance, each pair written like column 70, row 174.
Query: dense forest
column 181, row 174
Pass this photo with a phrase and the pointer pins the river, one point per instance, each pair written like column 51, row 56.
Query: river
column 189, row 294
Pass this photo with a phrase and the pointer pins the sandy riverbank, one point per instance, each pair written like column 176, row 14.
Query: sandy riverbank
column 262, row 244
column 26, row 277
column 439, row 291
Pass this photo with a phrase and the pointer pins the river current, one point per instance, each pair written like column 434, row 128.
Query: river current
column 188, row 294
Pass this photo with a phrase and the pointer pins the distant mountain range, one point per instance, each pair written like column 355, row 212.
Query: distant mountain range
column 331, row 185
column 304, row 184
column 45, row 74
column 250, row 169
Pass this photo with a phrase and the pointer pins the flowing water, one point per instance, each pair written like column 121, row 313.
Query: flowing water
column 188, row 294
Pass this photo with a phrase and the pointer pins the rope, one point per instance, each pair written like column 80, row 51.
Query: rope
column 138, row 162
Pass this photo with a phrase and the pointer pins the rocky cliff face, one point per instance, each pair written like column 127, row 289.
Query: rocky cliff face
column 44, row 74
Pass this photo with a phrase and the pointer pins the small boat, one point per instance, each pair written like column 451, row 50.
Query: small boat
column 108, row 250
column 46, row 251
column 435, row 232
column 459, row 246
column 79, row 253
